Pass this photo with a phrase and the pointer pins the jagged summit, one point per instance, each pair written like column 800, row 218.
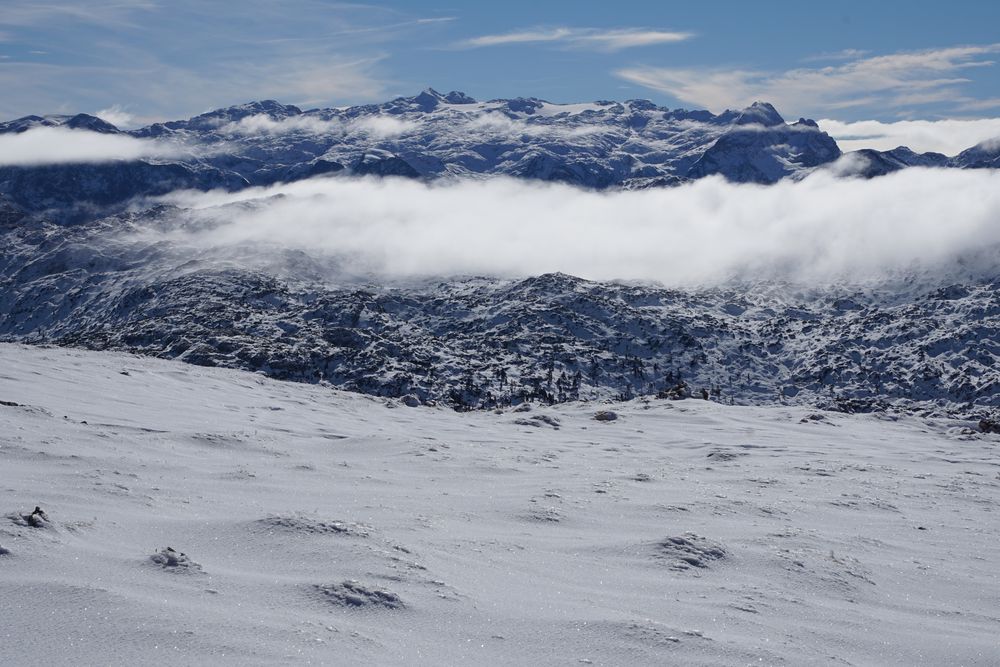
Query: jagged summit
column 457, row 97
column 429, row 99
column 759, row 113
column 270, row 108
column 80, row 121
column 84, row 121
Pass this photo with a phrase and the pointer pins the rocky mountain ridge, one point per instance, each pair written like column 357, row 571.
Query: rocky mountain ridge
column 605, row 144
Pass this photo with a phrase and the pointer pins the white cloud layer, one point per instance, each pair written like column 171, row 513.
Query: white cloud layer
column 382, row 127
column 898, row 80
column 593, row 38
column 104, row 12
column 117, row 116
column 499, row 125
column 377, row 127
column 58, row 145
column 940, row 136
column 822, row 228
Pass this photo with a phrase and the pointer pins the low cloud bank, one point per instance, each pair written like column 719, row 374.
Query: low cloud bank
column 377, row 127
column 381, row 127
column 950, row 136
column 59, row 145
column 819, row 229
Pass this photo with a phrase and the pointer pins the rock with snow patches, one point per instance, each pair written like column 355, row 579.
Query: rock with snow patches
column 172, row 560
column 878, row 163
column 354, row 594
column 985, row 155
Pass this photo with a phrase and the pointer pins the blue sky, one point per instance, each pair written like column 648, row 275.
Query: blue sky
column 143, row 60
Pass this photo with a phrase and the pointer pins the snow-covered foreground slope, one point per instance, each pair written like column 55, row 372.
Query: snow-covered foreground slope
column 331, row 528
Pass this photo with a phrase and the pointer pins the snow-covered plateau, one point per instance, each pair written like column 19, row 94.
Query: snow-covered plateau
column 191, row 515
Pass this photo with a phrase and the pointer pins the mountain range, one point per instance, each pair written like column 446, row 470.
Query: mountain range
column 82, row 264
column 630, row 145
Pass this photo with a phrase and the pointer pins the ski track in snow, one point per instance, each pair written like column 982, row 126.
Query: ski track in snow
column 310, row 526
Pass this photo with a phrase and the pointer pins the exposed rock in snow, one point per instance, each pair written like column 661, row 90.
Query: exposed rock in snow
column 174, row 561
column 356, row 594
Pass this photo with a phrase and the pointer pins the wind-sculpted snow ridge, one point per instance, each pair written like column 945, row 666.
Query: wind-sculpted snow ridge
column 893, row 344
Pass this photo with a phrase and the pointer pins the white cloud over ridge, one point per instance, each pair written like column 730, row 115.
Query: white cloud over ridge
column 950, row 136
column 822, row 228
column 498, row 124
column 380, row 127
column 904, row 79
column 377, row 127
column 59, row 145
column 117, row 116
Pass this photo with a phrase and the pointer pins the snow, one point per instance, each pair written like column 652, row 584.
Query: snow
column 310, row 526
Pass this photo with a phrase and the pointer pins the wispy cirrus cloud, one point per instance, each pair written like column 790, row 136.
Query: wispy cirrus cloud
column 149, row 84
column 592, row 38
column 163, row 60
column 843, row 54
column 896, row 81
column 980, row 105
column 22, row 13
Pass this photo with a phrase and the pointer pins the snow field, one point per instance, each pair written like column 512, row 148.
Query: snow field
column 310, row 526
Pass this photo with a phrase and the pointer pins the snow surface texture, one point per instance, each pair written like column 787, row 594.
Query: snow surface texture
column 209, row 516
